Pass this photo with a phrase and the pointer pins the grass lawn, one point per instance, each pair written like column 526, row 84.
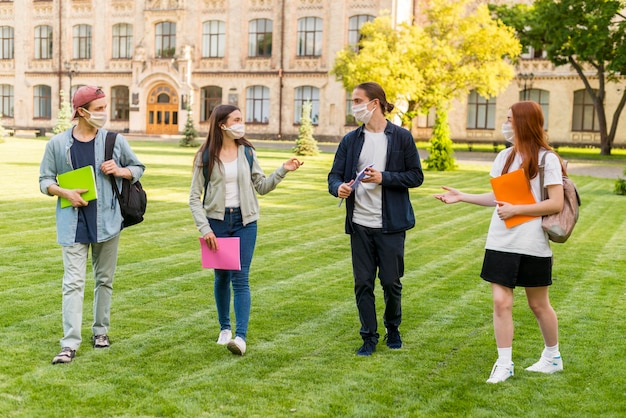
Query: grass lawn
column 304, row 326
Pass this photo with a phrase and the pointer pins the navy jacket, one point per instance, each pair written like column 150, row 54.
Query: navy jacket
column 403, row 171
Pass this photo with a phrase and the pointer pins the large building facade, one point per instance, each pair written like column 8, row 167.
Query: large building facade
column 158, row 60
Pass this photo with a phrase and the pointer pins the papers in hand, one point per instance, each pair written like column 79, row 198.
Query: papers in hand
column 81, row 178
column 359, row 176
column 226, row 257
column 514, row 188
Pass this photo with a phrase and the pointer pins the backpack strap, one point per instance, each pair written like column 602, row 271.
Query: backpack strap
column 542, row 166
column 248, row 151
column 109, row 144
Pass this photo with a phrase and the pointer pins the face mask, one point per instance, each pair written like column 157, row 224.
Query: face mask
column 235, row 131
column 361, row 113
column 96, row 119
column 507, row 131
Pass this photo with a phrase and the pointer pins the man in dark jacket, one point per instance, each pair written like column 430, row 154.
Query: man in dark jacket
column 378, row 208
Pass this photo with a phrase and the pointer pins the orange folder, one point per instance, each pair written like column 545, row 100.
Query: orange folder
column 514, row 188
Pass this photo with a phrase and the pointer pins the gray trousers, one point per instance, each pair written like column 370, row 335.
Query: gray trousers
column 103, row 261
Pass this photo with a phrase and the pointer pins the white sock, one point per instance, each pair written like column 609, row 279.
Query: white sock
column 505, row 356
column 551, row 352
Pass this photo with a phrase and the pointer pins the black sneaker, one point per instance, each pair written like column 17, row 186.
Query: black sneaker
column 65, row 356
column 393, row 339
column 367, row 348
column 100, row 341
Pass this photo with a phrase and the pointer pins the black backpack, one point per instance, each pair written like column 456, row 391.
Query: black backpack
column 133, row 198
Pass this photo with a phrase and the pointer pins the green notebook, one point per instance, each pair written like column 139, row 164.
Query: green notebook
column 81, row 178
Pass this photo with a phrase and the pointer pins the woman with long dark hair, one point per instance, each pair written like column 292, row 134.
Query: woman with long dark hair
column 223, row 202
column 521, row 255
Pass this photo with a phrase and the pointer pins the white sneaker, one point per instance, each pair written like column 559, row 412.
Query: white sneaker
column 500, row 373
column 225, row 336
column 548, row 366
column 237, row 346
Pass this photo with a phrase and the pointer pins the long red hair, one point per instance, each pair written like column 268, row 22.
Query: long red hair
column 529, row 138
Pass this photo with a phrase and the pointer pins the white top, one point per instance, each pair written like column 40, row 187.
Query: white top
column 527, row 238
column 232, row 189
column 368, row 204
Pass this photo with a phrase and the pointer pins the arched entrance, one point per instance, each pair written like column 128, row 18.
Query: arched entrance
column 162, row 110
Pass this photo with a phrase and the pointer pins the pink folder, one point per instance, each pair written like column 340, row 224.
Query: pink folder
column 225, row 258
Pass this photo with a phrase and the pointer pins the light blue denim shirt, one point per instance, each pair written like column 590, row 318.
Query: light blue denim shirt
column 57, row 160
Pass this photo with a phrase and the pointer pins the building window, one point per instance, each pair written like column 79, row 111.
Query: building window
column 530, row 53
column 6, row 42
column 542, row 97
column 309, row 37
column 211, row 97
column 260, row 38
column 43, row 102
column 122, row 41
column 165, row 39
column 213, row 39
column 427, row 120
column 584, row 118
column 43, row 42
column 6, row 100
column 257, row 104
column 481, row 112
column 82, row 42
column 307, row 94
column 120, row 103
column 354, row 29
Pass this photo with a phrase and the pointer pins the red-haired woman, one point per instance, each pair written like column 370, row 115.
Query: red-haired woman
column 521, row 255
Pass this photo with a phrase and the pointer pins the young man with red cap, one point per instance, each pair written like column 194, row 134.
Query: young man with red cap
column 84, row 224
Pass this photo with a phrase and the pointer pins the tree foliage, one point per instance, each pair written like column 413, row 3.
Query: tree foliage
column 458, row 47
column 189, row 133
column 64, row 117
column 590, row 36
column 305, row 143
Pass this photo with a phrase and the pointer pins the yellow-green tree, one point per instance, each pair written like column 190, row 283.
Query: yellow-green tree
column 458, row 48
column 64, row 117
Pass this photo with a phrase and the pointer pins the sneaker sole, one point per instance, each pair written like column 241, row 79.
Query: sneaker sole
column 233, row 348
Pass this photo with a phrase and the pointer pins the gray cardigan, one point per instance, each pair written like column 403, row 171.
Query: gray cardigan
column 249, row 181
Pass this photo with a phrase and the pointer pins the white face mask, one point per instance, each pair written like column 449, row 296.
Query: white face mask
column 235, row 131
column 96, row 119
column 508, row 132
column 361, row 113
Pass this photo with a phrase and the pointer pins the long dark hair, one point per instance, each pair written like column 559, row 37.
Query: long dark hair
column 529, row 137
column 375, row 91
column 215, row 136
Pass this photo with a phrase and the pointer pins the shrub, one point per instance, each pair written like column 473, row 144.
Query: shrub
column 305, row 143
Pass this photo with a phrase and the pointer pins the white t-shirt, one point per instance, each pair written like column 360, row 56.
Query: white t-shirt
column 368, row 203
column 527, row 238
column 232, row 187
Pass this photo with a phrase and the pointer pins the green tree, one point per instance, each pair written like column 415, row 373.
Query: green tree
column 440, row 149
column 64, row 117
column 590, row 37
column 305, row 143
column 189, row 133
column 459, row 47
column 385, row 55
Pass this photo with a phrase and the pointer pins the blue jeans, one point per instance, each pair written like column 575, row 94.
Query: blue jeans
column 232, row 226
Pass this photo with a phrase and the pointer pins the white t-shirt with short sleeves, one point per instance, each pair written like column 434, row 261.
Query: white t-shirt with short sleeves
column 527, row 238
